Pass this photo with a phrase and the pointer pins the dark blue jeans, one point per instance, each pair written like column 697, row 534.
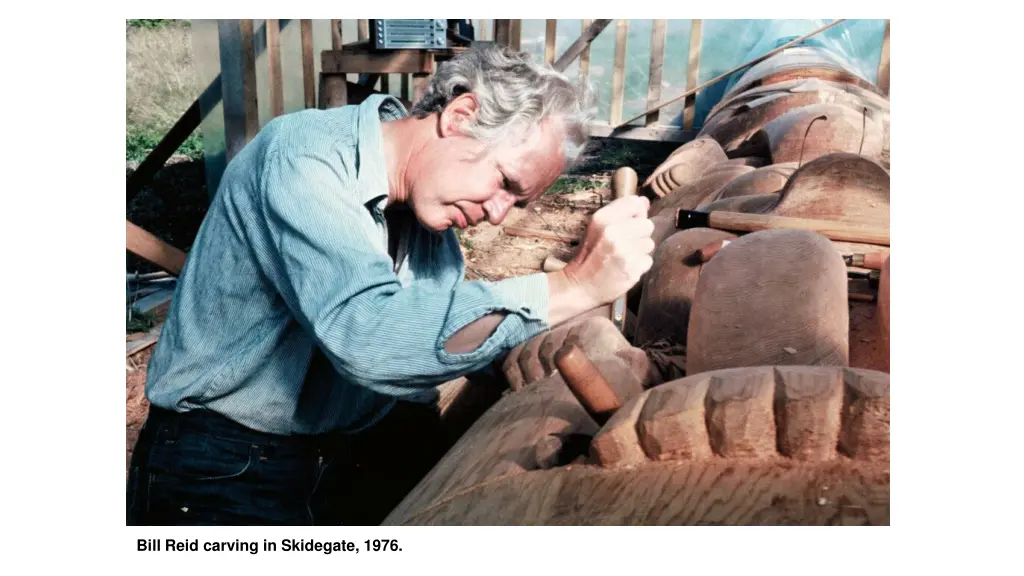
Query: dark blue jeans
column 200, row 468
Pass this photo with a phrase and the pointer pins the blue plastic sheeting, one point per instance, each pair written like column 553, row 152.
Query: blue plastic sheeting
column 854, row 45
column 725, row 44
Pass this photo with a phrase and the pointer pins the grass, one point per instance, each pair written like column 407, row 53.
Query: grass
column 137, row 321
column 570, row 184
column 150, row 24
column 160, row 84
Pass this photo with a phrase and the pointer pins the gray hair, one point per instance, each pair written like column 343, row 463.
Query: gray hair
column 514, row 92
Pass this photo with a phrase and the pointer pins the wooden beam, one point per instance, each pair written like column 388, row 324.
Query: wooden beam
column 308, row 84
column 178, row 133
column 619, row 74
column 250, row 92
column 692, row 73
column 515, row 34
column 274, row 77
column 883, row 63
column 229, row 36
column 550, row 35
column 591, row 29
column 333, row 90
column 646, row 133
column 336, row 42
column 348, row 61
column 501, row 31
column 657, row 62
column 147, row 246
column 419, row 86
column 584, row 55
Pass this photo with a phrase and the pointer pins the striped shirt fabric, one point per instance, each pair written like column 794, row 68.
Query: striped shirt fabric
column 290, row 317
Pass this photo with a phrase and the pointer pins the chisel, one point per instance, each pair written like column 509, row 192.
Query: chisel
column 741, row 222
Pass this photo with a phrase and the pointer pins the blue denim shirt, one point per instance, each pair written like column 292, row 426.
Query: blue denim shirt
column 290, row 316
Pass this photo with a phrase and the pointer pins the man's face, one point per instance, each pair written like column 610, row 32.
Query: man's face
column 456, row 181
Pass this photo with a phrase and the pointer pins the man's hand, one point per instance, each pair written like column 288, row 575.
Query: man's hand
column 615, row 253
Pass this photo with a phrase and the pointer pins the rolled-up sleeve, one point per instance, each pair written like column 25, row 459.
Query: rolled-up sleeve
column 340, row 286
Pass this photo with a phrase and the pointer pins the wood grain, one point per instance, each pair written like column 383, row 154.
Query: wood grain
column 754, row 204
column 308, row 71
column 275, row 81
column 250, row 92
column 388, row 62
column 764, row 180
column 550, row 35
column 145, row 245
column 585, row 56
column 883, row 311
column 775, row 297
column 844, row 187
column 698, row 450
column 657, row 63
column 336, row 37
column 581, row 48
column 690, row 193
column 692, row 73
column 883, row 63
column 670, row 286
column 690, row 161
column 718, row 492
column 808, row 132
column 503, row 441
column 831, row 229
column 501, row 32
column 515, row 34
column 619, row 71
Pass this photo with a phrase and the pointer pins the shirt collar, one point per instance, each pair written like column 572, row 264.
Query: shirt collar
column 372, row 177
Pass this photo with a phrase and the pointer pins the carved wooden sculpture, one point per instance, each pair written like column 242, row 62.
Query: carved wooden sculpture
column 777, row 411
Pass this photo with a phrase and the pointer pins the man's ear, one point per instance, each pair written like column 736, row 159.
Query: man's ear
column 459, row 112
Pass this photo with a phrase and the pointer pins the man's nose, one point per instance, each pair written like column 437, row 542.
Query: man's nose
column 498, row 206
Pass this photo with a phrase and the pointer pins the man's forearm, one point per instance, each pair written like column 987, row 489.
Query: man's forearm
column 567, row 300
column 473, row 335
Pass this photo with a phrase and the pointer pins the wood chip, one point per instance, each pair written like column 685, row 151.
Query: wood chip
column 790, row 350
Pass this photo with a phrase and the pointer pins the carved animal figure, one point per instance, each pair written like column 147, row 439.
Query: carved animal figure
column 754, row 388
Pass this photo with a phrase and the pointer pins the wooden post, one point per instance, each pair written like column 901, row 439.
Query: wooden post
column 501, row 32
column 336, row 42
column 419, row 86
column 550, row 34
column 309, row 87
column 590, row 31
column 585, row 57
column 274, row 78
column 249, row 90
column 618, row 87
column 692, row 73
column 883, row 63
column 232, row 85
column 657, row 61
column 405, row 88
column 364, row 30
column 515, row 34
